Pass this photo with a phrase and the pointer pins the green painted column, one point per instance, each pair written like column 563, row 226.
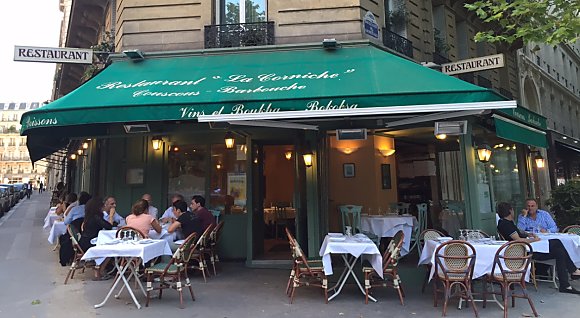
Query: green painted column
column 312, row 204
column 472, row 214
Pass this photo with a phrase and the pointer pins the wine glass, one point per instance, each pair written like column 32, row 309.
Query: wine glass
column 461, row 235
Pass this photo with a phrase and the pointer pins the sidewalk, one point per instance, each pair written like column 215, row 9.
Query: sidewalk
column 32, row 286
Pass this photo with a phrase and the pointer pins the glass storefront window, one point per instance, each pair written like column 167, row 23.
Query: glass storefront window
column 499, row 180
column 187, row 170
column 228, row 179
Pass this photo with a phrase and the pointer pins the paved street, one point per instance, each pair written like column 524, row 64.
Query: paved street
column 32, row 286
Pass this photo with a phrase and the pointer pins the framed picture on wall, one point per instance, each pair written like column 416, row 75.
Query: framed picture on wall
column 348, row 170
column 386, row 176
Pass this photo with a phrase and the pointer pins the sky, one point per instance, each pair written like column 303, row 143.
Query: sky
column 27, row 23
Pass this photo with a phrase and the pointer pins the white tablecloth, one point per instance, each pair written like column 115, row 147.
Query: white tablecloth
column 106, row 236
column 571, row 243
column 388, row 226
column 58, row 228
column 146, row 252
column 484, row 257
column 356, row 246
column 50, row 218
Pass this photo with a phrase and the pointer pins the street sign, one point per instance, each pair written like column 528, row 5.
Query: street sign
column 53, row 55
column 370, row 25
column 473, row 65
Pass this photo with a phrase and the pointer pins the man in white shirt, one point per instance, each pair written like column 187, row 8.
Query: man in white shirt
column 168, row 216
column 152, row 210
column 110, row 207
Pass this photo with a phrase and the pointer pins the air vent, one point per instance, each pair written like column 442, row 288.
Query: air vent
column 351, row 134
column 136, row 129
column 451, row 128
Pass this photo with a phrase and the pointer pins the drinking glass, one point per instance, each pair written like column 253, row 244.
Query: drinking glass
column 348, row 231
column 461, row 235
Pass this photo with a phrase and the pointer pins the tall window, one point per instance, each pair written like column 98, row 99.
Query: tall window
column 242, row 11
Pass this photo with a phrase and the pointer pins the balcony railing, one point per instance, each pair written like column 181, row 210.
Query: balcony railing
column 440, row 59
column 238, row 35
column 483, row 82
column 398, row 43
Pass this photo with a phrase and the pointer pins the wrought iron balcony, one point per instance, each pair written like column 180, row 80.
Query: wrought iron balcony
column 398, row 43
column 483, row 82
column 239, row 34
column 440, row 59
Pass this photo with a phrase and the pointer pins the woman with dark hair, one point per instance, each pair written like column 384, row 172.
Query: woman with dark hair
column 141, row 220
column 93, row 223
column 564, row 264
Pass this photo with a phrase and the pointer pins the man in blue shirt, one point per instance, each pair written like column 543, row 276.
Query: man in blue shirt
column 110, row 212
column 78, row 211
column 533, row 220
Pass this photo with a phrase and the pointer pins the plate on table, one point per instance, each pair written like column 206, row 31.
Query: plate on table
column 406, row 214
column 338, row 239
column 497, row 242
column 113, row 241
column 335, row 234
column 443, row 239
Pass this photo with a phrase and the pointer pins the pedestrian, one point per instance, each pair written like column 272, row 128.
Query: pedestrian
column 40, row 187
column 28, row 190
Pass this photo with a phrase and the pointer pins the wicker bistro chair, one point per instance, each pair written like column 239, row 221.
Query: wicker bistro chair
column 196, row 260
column 293, row 250
column 130, row 233
column 511, row 263
column 454, row 263
column 427, row 235
column 170, row 273
column 77, row 263
column 573, row 229
column 306, row 273
column 390, row 275
column 214, row 237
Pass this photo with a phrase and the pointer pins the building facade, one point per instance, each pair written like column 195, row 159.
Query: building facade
column 15, row 164
column 372, row 140
column 550, row 85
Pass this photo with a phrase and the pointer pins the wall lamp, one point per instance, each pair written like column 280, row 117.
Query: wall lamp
column 288, row 155
column 80, row 152
column 156, row 143
column 540, row 162
column 86, row 145
column 135, row 55
column 386, row 152
column 484, row 153
column 73, row 156
column 229, row 140
column 308, row 157
column 441, row 136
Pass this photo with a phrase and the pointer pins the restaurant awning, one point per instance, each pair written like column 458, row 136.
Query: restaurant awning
column 521, row 125
column 274, row 82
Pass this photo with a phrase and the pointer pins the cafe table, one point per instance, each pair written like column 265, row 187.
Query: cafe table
column 271, row 217
column 127, row 254
column 51, row 216
column 58, row 228
column 350, row 249
column 389, row 225
column 106, row 236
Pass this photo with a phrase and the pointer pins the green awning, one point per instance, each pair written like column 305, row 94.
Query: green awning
column 269, row 82
column 518, row 132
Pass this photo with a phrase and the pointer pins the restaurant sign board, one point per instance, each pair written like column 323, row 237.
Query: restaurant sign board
column 53, row 55
column 473, row 65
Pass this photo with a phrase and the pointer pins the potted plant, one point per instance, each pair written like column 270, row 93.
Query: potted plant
column 564, row 202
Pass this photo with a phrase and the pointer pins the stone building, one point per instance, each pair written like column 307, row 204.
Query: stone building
column 15, row 165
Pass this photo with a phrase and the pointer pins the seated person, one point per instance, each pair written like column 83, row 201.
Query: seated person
column 151, row 209
column 532, row 219
column 61, row 205
column 201, row 213
column 110, row 212
column 141, row 220
column 184, row 221
column 61, row 209
column 79, row 210
column 91, row 226
column 564, row 264
column 168, row 216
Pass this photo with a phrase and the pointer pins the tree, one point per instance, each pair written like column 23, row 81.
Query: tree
column 530, row 21
column 253, row 12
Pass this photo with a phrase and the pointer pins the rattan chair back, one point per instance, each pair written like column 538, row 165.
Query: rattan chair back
column 574, row 229
column 455, row 258
column 129, row 232
column 513, row 260
column 393, row 252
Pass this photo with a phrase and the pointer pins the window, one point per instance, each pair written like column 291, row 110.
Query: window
column 228, row 179
column 242, row 11
column 187, row 170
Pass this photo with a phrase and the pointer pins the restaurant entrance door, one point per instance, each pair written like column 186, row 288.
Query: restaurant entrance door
column 273, row 200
